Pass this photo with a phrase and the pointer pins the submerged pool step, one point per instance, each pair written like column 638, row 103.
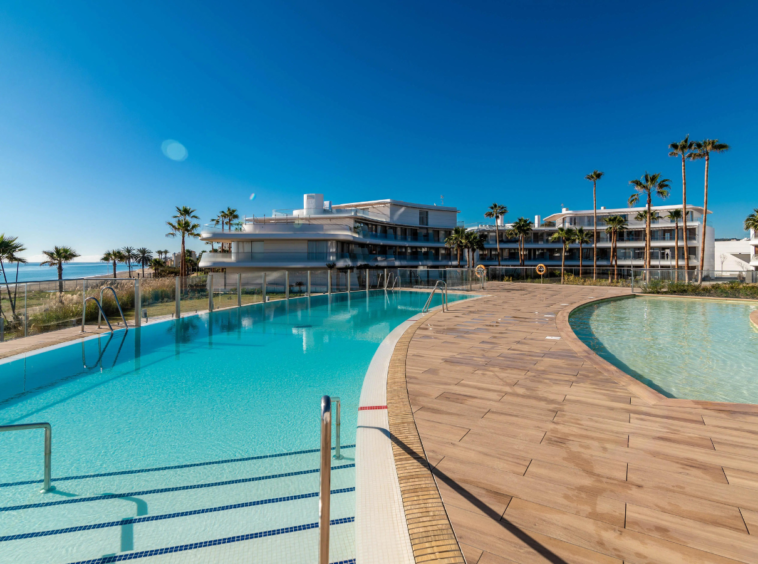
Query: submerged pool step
column 62, row 510
column 152, row 533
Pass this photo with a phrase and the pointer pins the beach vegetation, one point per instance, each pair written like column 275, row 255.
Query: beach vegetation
column 57, row 258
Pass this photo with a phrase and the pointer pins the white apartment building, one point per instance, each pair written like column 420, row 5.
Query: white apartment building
column 381, row 233
column 753, row 239
column 631, row 242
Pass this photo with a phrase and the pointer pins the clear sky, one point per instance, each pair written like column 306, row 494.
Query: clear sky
column 506, row 101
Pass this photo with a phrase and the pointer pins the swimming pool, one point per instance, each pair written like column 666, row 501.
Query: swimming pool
column 191, row 432
column 683, row 348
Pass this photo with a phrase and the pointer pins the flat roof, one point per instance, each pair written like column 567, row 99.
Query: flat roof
column 635, row 209
column 373, row 203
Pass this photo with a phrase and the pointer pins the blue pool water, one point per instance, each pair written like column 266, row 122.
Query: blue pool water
column 683, row 348
column 194, row 430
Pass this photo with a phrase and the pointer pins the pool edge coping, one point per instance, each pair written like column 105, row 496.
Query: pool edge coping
column 754, row 318
column 639, row 389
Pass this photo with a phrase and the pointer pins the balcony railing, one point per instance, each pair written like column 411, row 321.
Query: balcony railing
column 213, row 259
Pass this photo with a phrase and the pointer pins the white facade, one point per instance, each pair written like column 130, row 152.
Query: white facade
column 540, row 249
column 381, row 233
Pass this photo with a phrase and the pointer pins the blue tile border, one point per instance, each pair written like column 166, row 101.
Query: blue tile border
column 217, row 542
column 135, row 520
column 167, row 490
column 164, row 468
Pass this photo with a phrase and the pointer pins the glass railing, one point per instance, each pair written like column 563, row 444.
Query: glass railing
column 211, row 260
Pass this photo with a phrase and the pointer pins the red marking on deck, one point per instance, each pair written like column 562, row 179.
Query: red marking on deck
column 368, row 407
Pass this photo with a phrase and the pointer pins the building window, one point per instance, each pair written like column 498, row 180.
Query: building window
column 318, row 250
column 423, row 217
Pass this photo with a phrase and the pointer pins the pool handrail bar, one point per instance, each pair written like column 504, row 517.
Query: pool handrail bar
column 325, row 475
column 48, row 445
column 431, row 295
column 84, row 308
column 118, row 304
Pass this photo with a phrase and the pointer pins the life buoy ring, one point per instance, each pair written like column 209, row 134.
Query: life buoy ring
column 481, row 270
column 541, row 269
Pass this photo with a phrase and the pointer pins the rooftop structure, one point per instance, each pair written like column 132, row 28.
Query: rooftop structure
column 378, row 233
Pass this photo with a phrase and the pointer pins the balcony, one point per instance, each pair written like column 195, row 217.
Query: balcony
column 754, row 260
column 320, row 259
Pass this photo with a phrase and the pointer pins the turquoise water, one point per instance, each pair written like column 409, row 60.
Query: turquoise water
column 181, row 405
column 683, row 348
column 35, row 272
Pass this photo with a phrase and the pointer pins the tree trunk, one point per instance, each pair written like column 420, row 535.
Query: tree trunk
column 497, row 239
column 563, row 259
column 114, row 269
column 684, row 221
column 594, row 233
column 580, row 262
column 705, row 216
column 676, row 248
column 60, row 278
column 182, row 265
column 647, row 230
column 459, row 256
column 615, row 257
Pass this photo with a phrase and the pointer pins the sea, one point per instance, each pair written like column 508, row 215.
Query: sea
column 71, row 270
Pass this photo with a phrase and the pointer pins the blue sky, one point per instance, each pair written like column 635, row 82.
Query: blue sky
column 513, row 102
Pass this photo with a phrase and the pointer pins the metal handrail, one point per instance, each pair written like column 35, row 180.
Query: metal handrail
column 326, row 479
column 337, row 455
column 94, row 299
column 394, row 281
column 48, row 446
column 118, row 304
column 429, row 299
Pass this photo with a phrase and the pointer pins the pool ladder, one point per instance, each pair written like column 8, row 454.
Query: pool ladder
column 325, row 472
column 48, row 446
column 444, row 297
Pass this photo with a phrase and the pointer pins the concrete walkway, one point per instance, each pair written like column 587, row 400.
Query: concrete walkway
column 543, row 452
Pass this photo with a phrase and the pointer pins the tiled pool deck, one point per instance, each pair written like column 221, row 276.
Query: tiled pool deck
column 543, row 452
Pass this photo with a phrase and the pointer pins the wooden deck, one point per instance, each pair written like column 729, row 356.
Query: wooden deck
column 542, row 453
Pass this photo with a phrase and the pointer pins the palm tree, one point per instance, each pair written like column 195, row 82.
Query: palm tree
column 144, row 256
column 57, row 257
column 675, row 216
column 565, row 235
column 130, row 254
column 751, row 222
column 113, row 256
column 703, row 150
column 521, row 229
column 456, row 240
column 650, row 183
column 581, row 237
column 184, row 226
column 497, row 211
column 593, row 177
column 616, row 224
column 473, row 242
column 9, row 247
column 683, row 149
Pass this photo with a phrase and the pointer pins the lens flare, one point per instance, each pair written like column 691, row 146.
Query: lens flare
column 174, row 150
column 252, row 197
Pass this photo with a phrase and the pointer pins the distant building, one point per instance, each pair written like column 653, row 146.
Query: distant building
column 380, row 233
column 736, row 254
column 630, row 245
column 176, row 258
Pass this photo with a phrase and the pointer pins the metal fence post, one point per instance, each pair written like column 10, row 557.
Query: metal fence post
column 349, row 275
column 2, row 329
column 309, row 282
column 26, row 313
column 210, row 292
column 84, row 303
column 178, row 297
column 385, row 278
column 137, row 303
column 368, row 279
column 286, row 284
column 263, row 288
column 325, row 475
column 239, row 289
column 329, row 281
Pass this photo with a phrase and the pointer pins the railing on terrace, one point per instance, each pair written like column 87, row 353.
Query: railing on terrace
column 42, row 307
column 320, row 257
column 655, row 280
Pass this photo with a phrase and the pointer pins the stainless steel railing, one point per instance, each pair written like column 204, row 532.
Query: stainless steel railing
column 118, row 304
column 443, row 294
column 48, row 445
column 84, row 309
column 325, row 488
column 326, row 479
